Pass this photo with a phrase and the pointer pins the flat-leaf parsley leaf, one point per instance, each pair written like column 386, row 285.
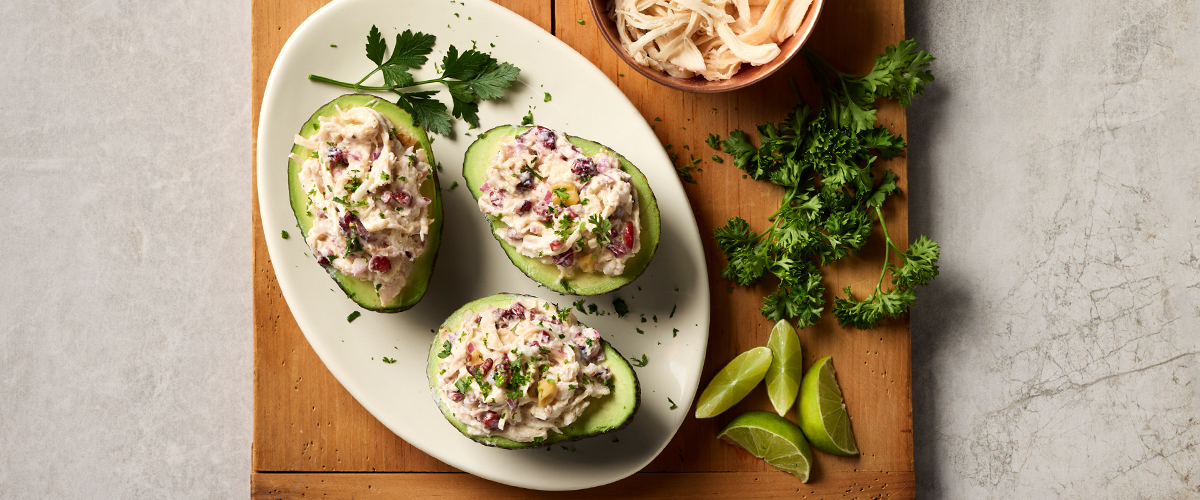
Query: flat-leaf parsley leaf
column 469, row 76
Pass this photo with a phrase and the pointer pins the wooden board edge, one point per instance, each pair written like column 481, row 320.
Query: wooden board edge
column 661, row 485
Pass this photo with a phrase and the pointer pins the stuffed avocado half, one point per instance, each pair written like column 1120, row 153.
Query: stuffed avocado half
column 603, row 250
column 372, row 214
column 513, row 371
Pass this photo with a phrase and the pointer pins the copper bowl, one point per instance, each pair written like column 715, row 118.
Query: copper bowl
column 747, row 75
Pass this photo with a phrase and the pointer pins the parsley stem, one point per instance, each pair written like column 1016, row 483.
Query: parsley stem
column 886, row 248
column 358, row 87
column 354, row 86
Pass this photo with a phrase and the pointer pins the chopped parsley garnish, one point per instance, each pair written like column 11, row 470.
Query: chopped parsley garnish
column 528, row 168
column 673, row 311
column 547, row 98
column 566, row 226
column 673, row 405
column 601, row 228
column 353, row 316
column 452, row 186
column 389, row 360
column 384, row 176
column 639, row 362
column 445, row 350
column 580, row 21
column 283, row 234
column 674, row 332
column 527, row 119
column 640, row 332
column 463, row 384
column 561, row 193
column 621, row 307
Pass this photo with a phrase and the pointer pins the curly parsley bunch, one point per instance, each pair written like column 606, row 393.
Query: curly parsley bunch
column 825, row 162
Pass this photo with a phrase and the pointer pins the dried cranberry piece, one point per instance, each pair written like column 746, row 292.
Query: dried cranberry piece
column 380, row 263
column 555, row 245
column 491, row 420
column 583, row 167
column 544, row 136
column 375, row 154
column 615, row 243
column 323, row 260
column 396, row 198
column 524, row 208
column 349, row 219
column 517, row 311
column 336, row 155
column 525, row 181
column 482, row 368
column 627, row 235
column 455, row 396
column 565, row 259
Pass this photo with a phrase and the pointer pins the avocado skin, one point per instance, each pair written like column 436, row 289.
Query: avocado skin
column 363, row 292
column 610, row 413
column 479, row 156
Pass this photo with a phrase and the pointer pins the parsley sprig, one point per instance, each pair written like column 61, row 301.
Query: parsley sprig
column 470, row 76
column 832, row 194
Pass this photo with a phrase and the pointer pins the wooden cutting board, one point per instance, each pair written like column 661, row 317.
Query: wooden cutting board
column 312, row 439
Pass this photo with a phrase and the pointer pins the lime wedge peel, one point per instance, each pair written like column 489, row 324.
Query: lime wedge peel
column 773, row 438
column 783, row 376
column 733, row 382
column 822, row 411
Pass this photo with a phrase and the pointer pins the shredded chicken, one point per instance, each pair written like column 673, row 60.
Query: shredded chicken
column 711, row 38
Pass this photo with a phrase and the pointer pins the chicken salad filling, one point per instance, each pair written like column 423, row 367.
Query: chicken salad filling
column 363, row 182
column 520, row 371
column 561, row 206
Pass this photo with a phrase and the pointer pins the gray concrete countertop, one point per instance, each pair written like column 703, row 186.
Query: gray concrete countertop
column 1053, row 159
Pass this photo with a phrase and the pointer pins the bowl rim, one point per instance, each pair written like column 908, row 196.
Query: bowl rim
column 608, row 30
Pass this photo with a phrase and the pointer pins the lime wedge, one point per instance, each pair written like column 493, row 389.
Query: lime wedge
column 733, row 382
column 823, row 415
column 783, row 376
column 772, row 438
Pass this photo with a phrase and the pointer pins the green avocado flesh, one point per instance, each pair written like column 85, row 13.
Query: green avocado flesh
column 479, row 157
column 607, row 414
column 361, row 291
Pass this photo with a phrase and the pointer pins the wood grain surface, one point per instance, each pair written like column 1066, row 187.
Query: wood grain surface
column 312, row 438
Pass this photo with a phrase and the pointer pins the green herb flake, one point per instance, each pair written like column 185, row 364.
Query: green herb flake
column 673, row 405
column 389, row 360
column 547, row 98
column 640, row 332
column 674, row 332
column 621, row 307
column 527, row 119
column 353, row 316
column 639, row 362
column 673, row 311
column 445, row 352
column 284, row 234
column 580, row 21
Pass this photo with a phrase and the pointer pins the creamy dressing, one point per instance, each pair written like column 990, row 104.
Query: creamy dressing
column 561, row 206
column 520, row 371
column 363, row 183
